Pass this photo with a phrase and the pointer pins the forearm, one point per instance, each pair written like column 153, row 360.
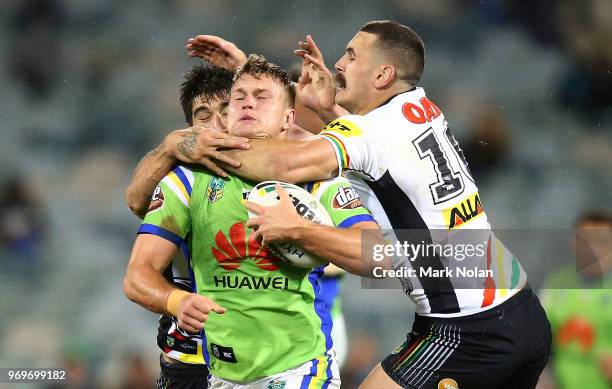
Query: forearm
column 149, row 172
column 291, row 161
column 147, row 287
column 340, row 246
column 258, row 163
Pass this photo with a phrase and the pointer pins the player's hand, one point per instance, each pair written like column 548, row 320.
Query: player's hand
column 316, row 88
column 216, row 50
column 273, row 223
column 199, row 145
column 193, row 312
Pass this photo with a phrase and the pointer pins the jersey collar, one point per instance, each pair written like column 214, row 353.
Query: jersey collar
column 395, row 95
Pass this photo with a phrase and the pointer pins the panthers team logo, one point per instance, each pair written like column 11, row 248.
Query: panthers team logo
column 215, row 189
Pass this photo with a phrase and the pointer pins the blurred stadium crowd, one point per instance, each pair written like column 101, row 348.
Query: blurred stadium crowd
column 89, row 86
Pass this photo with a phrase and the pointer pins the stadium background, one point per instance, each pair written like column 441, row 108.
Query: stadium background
column 89, row 86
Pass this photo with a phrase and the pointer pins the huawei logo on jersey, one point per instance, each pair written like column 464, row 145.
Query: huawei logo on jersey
column 230, row 253
column 346, row 198
column 577, row 329
column 157, row 200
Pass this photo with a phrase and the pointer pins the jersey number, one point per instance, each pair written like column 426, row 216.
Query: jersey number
column 449, row 182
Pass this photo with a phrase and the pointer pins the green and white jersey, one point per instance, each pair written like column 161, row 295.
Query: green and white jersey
column 276, row 315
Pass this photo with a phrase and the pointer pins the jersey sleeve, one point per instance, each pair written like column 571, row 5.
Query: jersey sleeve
column 350, row 136
column 168, row 215
column 341, row 202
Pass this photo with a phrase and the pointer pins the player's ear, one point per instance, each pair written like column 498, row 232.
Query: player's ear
column 289, row 119
column 385, row 77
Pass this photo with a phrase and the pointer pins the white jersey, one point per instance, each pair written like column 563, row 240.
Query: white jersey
column 411, row 174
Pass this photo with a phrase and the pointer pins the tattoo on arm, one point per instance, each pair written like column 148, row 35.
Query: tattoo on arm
column 188, row 144
column 150, row 154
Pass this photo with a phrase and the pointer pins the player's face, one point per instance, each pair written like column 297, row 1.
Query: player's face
column 257, row 108
column 211, row 113
column 356, row 71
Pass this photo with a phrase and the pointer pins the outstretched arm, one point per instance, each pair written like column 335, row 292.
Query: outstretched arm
column 290, row 161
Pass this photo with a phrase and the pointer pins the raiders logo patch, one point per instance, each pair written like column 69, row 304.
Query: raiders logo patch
column 157, row 200
column 346, row 198
column 215, row 189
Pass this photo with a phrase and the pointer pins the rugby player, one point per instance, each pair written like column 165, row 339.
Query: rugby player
column 227, row 55
column 576, row 298
column 399, row 152
column 266, row 322
column 204, row 96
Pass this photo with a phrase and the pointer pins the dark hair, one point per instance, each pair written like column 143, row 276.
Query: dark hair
column 594, row 216
column 204, row 81
column 402, row 46
column 257, row 66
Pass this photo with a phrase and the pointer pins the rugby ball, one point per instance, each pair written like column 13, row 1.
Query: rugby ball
column 306, row 206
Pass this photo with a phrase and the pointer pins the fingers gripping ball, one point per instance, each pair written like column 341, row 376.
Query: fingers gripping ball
column 306, row 206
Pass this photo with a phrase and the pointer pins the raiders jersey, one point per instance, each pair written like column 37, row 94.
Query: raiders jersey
column 411, row 173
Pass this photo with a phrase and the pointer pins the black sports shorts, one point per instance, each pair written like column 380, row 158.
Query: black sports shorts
column 504, row 347
column 182, row 376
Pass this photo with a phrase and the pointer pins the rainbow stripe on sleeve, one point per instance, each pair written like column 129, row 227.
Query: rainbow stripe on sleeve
column 339, row 146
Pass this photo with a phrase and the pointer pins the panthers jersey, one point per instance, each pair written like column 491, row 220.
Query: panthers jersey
column 411, row 173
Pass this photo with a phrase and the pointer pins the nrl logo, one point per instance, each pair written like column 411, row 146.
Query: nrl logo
column 215, row 189
column 277, row 384
column 170, row 341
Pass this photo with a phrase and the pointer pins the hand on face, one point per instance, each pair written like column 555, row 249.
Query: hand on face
column 199, row 145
